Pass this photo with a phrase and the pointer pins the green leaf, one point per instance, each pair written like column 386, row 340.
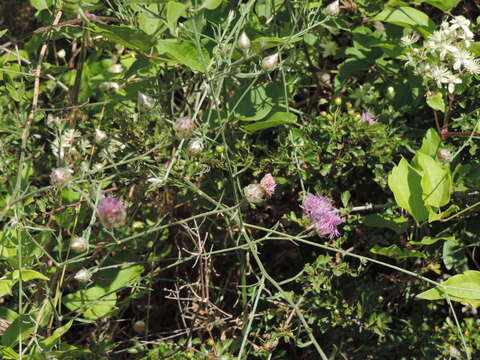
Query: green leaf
column 396, row 252
column 278, row 118
column 175, row 10
column 431, row 143
column 395, row 223
column 3, row 32
column 94, row 303
column 406, row 16
column 444, row 5
column 464, row 288
column 118, row 278
column 427, row 240
column 453, row 256
column 404, row 182
column 28, row 275
column 435, row 101
column 48, row 343
column 126, row 36
column 211, row 4
column 255, row 103
column 22, row 326
column 7, row 353
column 6, row 287
column 184, row 52
column 40, row 4
column 436, row 181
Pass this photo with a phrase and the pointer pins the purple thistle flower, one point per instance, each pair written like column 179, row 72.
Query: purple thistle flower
column 324, row 216
column 111, row 212
column 268, row 184
column 368, row 117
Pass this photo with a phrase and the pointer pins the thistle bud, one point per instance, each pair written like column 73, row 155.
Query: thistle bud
column 269, row 63
column 244, row 41
column 444, row 155
column 100, row 136
column 112, row 213
column 110, row 86
column 145, row 102
column 61, row 53
column 116, row 69
column 195, row 146
column 60, row 176
column 83, row 275
column 333, row 9
column 184, row 127
column 268, row 184
column 139, row 327
column 254, row 193
column 78, row 244
column 390, row 92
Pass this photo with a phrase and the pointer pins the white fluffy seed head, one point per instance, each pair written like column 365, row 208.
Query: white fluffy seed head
column 145, row 102
column 139, row 327
column 244, row 41
column 60, row 176
column 269, row 63
column 254, row 193
column 444, row 155
column 195, row 146
column 83, row 275
column 184, row 127
column 78, row 244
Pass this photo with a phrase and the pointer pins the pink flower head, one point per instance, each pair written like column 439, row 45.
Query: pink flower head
column 268, row 184
column 324, row 216
column 368, row 117
column 111, row 212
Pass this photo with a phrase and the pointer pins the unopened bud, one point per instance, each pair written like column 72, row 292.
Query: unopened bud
column 244, row 41
column 139, row 327
column 444, row 155
column 333, row 9
column 231, row 16
column 338, row 101
column 83, row 275
column 268, row 184
column 254, row 193
column 390, row 92
column 100, row 136
column 110, row 86
column 269, row 63
column 60, row 176
column 195, row 146
column 184, row 127
column 116, row 69
column 61, row 53
column 78, row 244
column 145, row 102
column 112, row 213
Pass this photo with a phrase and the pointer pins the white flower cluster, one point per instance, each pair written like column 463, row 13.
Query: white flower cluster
column 444, row 57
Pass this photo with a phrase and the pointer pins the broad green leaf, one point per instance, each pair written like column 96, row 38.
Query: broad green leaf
column 94, row 303
column 254, row 103
column 464, row 288
column 3, row 32
column 52, row 339
column 435, row 101
column 444, row 5
column 435, row 216
column 395, row 223
column 175, row 10
column 28, row 275
column 436, row 181
column 184, row 52
column 8, row 314
column 40, row 4
column 394, row 251
column 115, row 279
column 21, row 327
column 427, row 240
column 404, row 182
column 211, row 4
column 453, row 256
column 406, row 16
column 278, row 118
column 125, row 35
column 431, row 143
column 6, row 287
